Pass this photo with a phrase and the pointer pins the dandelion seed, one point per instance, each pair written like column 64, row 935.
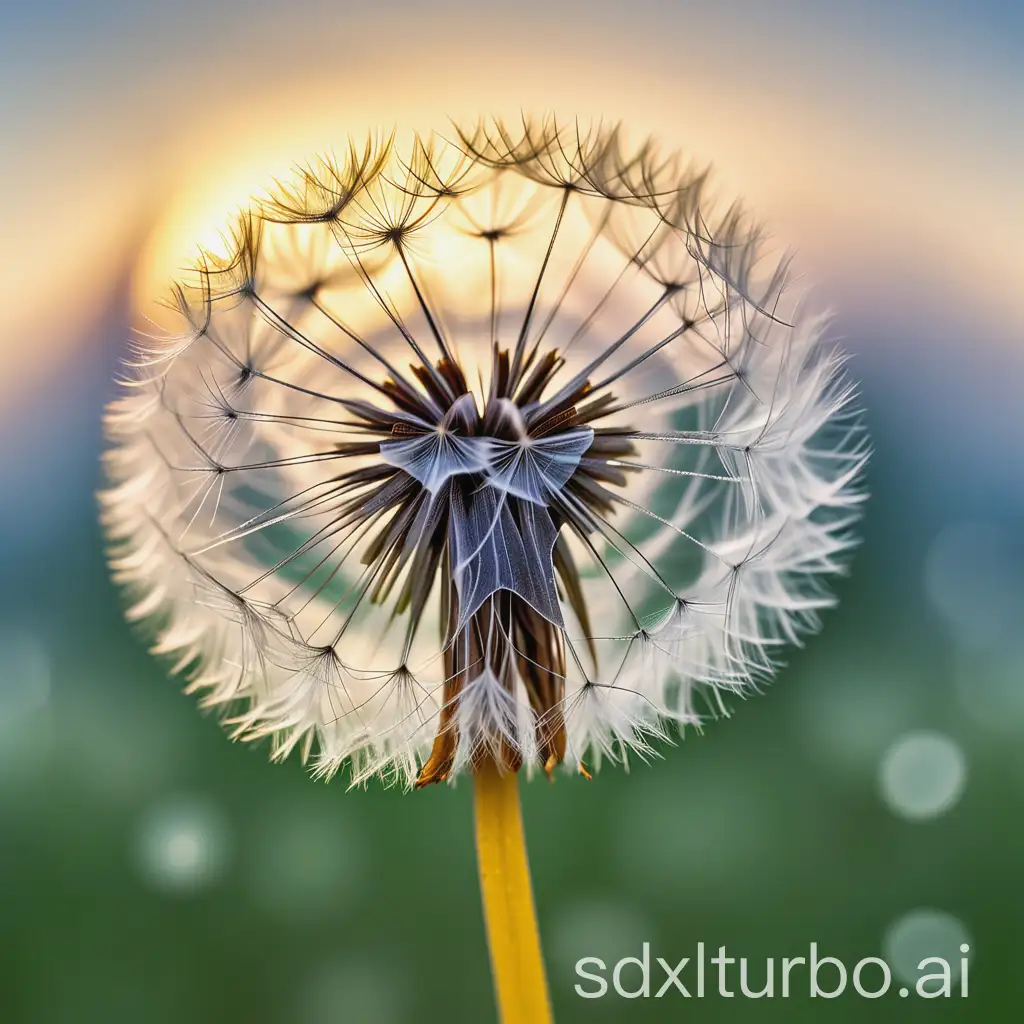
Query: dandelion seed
column 509, row 451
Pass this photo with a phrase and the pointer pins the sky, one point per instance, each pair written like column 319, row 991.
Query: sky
column 881, row 140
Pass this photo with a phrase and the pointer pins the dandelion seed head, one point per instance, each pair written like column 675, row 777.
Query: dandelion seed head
column 507, row 446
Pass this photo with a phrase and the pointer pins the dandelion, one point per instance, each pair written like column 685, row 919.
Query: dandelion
column 503, row 452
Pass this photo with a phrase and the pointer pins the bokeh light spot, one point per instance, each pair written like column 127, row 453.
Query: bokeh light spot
column 921, row 934
column 182, row 844
column 923, row 775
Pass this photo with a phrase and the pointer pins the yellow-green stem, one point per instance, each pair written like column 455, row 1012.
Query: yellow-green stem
column 519, row 979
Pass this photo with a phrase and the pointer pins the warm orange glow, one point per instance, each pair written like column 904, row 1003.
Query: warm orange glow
column 197, row 219
column 859, row 196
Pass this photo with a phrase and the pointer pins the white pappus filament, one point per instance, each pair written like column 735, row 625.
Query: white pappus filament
column 509, row 446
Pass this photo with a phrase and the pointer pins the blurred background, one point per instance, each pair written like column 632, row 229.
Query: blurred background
column 870, row 801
